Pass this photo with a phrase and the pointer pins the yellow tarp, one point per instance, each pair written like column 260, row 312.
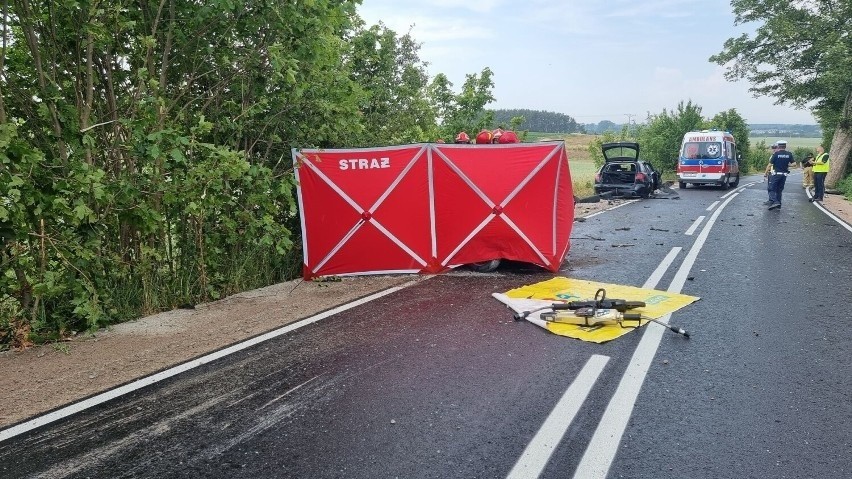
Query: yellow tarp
column 561, row 289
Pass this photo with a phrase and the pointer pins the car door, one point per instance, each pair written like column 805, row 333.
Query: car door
column 653, row 175
column 733, row 158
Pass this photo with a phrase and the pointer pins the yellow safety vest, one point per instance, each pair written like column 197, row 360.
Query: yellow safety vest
column 821, row 163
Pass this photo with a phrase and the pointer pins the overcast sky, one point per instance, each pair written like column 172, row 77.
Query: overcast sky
column 591, row 59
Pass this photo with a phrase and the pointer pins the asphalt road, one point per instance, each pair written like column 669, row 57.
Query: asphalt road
column 438, row 381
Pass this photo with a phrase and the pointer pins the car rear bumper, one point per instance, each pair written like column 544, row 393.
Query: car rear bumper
column 697, row 178
column 623, row 189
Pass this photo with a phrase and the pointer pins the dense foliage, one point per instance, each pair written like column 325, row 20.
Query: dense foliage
column 145, row 147
column 601, row 127
column 660, row 136
column 801, row 52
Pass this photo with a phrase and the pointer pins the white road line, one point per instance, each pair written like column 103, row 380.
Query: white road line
column 537, row 453
column 541, row 447
column 694, row 226
column 828, row 213
column 710, row 208
column 601, row 450
column 154, row 378
column 728, row 194
column 610, row 209
column 658, row 273
column 833, row 216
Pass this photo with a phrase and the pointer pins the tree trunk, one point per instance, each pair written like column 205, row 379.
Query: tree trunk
column 27, row 20
column 841, row 145
column 89, row 92
column 5, row 33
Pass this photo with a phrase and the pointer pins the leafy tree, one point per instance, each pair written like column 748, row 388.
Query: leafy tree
column 443, row 100
column 595, row 145
column 515, row 122
column 142, row 147
column 464, row 111
column 605, row 126
column 732, row 121
column 662, row 134
column 395, row 107
column 800, row 53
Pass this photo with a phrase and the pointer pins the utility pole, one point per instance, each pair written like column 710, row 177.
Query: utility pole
column 629, row 122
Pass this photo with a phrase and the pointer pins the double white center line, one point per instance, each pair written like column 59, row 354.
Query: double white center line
column 603, row 446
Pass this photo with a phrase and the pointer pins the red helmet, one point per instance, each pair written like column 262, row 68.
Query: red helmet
column 483, row 137
column 509, row 137
column 462, row 138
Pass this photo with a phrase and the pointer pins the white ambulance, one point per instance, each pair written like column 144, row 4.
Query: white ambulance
column 708, row 157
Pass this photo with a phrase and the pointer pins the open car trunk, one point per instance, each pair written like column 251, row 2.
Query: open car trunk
column 612, row 174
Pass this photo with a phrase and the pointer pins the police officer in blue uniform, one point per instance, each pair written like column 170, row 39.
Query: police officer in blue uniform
column 766, row 175
column 779, row 170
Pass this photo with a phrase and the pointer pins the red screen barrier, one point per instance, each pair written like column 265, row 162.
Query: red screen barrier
column 429, row 207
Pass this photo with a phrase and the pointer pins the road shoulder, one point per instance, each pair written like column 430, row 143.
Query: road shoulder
column 43, row 378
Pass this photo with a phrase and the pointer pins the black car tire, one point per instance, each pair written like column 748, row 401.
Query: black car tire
column 725, row 183
column 736, row 182
column 681, row 185
column 485, row 266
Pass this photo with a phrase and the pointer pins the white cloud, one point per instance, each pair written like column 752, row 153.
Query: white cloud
column 425, row 29
column 585, row 58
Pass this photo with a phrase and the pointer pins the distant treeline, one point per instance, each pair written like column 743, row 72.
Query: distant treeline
column 781, row 130
column 553, row 122
column 538, row 120
column 801, row 131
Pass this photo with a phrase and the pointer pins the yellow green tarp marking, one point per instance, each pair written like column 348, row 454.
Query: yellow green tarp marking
column 561, row 289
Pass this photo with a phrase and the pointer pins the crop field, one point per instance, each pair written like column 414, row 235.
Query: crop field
column 792, row 143
column 582, row 166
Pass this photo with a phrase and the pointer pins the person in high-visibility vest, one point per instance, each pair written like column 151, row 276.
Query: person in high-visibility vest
column 820, row 172
column 808, row 171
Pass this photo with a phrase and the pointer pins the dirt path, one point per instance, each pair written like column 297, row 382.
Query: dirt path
column 42, row 378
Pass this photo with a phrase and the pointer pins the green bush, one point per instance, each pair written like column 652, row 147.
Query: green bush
column 845, row 187
column 81, row 248
column 756, row 158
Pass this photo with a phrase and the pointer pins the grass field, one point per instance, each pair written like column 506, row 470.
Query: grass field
column 582, row 166
column 792, row 143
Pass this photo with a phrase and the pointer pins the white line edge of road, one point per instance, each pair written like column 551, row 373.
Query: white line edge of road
column 712, row 205
column 834, row 217
column 610, row 209
column 537, row 453
column 739, row 189
column 829, row 213
column 157, row 377
column 602, row 448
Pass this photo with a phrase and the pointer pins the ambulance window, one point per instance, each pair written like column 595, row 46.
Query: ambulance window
column 730, row 150
column 690, row 150
column 711, row 149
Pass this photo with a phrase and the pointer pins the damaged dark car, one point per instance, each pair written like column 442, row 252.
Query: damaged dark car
column 624, row 173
